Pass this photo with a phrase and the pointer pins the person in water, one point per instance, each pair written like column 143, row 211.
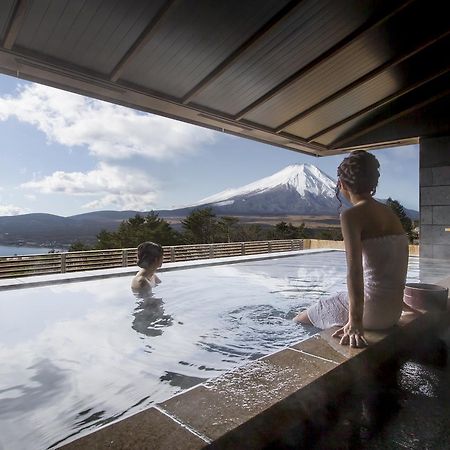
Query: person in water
column 149, row 259
column 377, row 259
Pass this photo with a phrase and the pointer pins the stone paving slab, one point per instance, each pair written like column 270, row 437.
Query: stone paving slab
column 319, row 347
column 226, row 402
column 149, row 429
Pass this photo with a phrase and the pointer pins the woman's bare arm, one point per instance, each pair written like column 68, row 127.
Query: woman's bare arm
column 353, row 333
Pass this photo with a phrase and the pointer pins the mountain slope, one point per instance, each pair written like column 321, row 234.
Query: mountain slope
column 297, row 189
column 303, row 178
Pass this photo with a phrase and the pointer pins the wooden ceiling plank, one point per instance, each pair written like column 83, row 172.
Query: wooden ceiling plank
column 379, row 104
column 223, row 66
column 142, row 40
column 15, row 24
column 369, row 76
column 219, row 116
column 367, row 26
column 376, row 125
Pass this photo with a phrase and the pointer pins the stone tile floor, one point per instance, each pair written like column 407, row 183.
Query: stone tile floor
column 407, row 408
column 419, row 404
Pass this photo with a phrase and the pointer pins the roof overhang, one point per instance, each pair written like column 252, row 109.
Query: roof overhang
column 320, row 77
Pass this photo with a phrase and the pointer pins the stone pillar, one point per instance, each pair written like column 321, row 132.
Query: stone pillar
column 435, row 198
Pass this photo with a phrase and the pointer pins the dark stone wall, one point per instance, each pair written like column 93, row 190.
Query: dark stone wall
column 435, row 198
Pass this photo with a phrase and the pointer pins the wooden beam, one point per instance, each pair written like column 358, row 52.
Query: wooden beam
column 391, row 118
column 364, row 79
column 378, row 104
column 367, row 26
column 141, row 41
column 15, row 23
column 268, row 26
column 220, row 117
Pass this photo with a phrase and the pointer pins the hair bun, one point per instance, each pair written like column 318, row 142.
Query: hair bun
column 359, row 171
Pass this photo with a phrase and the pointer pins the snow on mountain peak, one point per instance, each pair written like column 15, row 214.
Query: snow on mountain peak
column 304, row 178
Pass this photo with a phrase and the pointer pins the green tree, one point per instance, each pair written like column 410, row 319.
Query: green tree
column 283, row 230
column 250, row 232
column 326, row 235
column 201, row 226
column 106, row 239
column 79, row 246
column 138, row 229
column 227, row 226
column 406, row 222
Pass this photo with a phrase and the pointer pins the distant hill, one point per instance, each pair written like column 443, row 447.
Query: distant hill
column 297, row 190
column 57, row 231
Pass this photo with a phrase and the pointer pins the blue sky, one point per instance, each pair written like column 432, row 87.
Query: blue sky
column 66, row 154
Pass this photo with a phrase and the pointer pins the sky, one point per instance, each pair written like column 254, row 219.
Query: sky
column 65, row 154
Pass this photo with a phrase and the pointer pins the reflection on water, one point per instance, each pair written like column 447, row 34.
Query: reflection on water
column 46, row 381
column 77, row 356
column 149, row 317
column 180, row 380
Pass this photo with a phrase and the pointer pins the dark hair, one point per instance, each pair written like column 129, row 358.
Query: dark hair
column 148, row 253
column 359, row 171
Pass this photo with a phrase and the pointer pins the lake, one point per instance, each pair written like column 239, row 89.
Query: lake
column 9, row 250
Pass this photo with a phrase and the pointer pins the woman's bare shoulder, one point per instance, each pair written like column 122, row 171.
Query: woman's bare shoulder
column 350, row 214
column 139, row 282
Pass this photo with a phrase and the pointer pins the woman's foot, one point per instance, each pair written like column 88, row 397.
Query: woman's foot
column 302, row 317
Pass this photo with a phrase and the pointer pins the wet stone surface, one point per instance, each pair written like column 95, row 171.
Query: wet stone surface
column 407, row 406
column 146, row 430
column 420, row 406
column 226, row 402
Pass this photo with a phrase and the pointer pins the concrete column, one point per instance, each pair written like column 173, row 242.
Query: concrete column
column 435, row 198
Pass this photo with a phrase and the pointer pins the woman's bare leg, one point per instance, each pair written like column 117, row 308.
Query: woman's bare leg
column 302, row 317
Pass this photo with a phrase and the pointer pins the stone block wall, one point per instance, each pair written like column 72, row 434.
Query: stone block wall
column 435, row 198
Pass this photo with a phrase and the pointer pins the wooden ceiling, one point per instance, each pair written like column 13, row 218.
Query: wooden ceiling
column 315, row 76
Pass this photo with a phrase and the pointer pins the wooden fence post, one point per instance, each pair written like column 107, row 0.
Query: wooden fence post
column 124, row 258
column 211, row 250
column 172, row 254
column 63, row 262
column 242, row 248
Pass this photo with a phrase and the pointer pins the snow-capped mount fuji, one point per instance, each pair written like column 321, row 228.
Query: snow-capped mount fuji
column 296, row 189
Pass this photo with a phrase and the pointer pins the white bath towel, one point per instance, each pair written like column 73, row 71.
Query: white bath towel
column 385, row 263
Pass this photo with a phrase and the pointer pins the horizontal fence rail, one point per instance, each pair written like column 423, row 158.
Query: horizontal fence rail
column 28, row 265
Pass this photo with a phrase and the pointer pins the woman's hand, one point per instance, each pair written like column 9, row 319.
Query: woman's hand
column 351, row 334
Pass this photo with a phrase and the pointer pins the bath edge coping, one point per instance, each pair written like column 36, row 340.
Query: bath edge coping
column 80, row 276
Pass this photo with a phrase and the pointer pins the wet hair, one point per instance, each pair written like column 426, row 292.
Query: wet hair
column 360, row 173
column 148, row 253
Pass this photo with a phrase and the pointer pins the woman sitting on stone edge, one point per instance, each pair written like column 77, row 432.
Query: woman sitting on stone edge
column 377, row 259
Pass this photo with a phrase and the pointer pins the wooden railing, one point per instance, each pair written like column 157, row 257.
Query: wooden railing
column 339, row 245
column 28, row 265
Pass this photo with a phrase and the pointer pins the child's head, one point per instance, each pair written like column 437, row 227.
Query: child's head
column 149, row 255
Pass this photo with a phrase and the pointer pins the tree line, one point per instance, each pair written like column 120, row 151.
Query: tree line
column 203, row 226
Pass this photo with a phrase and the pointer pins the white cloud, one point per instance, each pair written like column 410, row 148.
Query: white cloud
column 11, row 210
column 119, row 187
column 136, row 202
column 108, row 131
